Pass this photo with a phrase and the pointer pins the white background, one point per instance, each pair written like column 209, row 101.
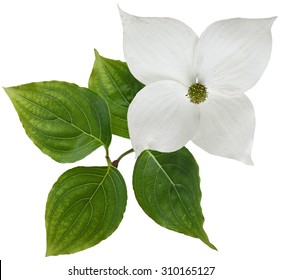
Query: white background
column 46, row 40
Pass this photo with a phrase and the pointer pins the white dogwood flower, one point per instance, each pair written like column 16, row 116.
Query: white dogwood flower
column 194, row 87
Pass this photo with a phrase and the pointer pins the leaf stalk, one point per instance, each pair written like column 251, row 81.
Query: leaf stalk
column 116, row 162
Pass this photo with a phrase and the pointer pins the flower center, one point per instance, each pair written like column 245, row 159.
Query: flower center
column 197, row 93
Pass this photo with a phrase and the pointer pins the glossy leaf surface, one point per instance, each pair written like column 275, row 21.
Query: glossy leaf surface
column 65, row 121
column 167, row 187
column 113, row 81
column 84, row 207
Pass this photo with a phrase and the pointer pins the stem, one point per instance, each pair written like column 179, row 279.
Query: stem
column 124, row 154
column 108, row 157
column 116, row 162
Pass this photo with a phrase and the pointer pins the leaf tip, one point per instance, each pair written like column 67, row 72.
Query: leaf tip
column 212, row 246
column 51, row 252
column 9, row 91
column 96, row 53
column 6, row 89
column 208, row 243
column 48, row 253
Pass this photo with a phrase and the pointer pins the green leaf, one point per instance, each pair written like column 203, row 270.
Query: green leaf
column 84, row 207
column 65, row 121
column 167, row 187
column 112, row 80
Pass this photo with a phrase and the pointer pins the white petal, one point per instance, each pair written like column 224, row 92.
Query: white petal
column 227, row 126
column 162, row 118
column 159, row 49
column 232, row 54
